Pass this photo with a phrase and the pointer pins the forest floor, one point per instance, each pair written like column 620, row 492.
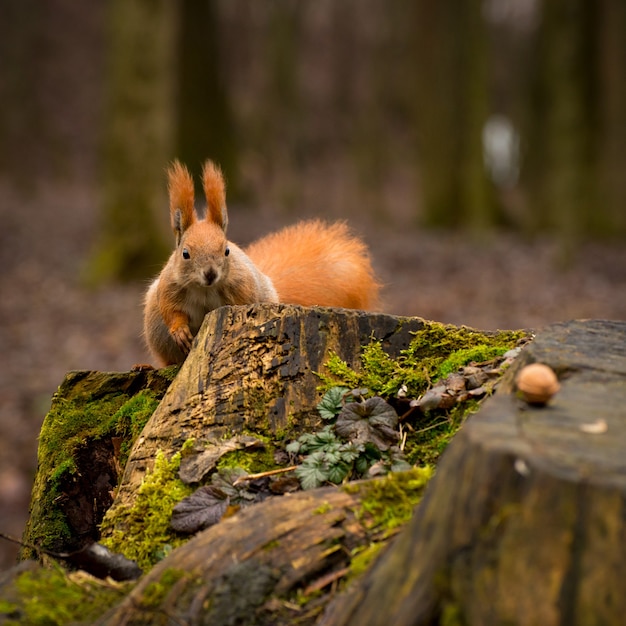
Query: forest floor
column 51, row 323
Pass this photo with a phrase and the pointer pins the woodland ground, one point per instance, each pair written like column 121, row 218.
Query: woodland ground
column 50, row 323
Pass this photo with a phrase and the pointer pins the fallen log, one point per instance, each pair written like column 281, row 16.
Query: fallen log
column 275, row 563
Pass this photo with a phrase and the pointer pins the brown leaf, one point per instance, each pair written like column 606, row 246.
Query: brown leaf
column 203, row 508
column 195, row 467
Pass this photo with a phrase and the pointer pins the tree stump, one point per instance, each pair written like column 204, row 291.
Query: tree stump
column 93, row 421
column 254, row 368
column 524, row 521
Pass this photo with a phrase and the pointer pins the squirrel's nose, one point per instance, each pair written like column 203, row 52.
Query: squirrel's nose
column 209, row 276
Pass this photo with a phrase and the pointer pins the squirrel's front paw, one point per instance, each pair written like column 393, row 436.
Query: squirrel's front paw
column 183, row 338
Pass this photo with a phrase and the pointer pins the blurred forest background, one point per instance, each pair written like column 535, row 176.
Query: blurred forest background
column 479, row 147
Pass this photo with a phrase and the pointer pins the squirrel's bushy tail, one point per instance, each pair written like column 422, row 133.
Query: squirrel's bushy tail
column 314, row 263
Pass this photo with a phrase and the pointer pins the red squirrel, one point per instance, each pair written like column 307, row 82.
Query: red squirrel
column 310, row 263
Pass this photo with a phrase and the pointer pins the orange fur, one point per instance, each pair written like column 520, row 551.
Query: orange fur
column 313, row 263
column 215, row 192
column 181, row 193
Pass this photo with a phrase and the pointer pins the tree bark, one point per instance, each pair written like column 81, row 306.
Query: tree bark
column 534, row 532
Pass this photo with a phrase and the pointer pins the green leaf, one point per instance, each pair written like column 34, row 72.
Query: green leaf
column 331, row 403
column 295, row 447
column 400, row 465
column 313, row 472
column 313, row 442
column 349, row 452
column 362, row 464
column 337, row 473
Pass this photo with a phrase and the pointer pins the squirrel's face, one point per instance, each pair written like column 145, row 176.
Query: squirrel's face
column 203, row 255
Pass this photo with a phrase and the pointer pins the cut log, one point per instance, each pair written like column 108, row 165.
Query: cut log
column 525, row 519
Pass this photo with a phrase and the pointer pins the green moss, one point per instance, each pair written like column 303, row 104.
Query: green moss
column 462, row 357
column 451, row 615
column 142, row 532
column 257, row 400
column 129, row 420
column 386, row 504
column 389, row 502
column 8, row 609
column 49, row 597
column 433, row 432
column 251, row 461
column 154, row 594
column 169, row 373
column 68, row 426
column 188, row 448
column 434, row 352
column 323, row 508
column 363, row 558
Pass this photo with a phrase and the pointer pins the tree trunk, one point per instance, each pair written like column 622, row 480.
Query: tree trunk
column 562, row 151
column 84, row 441
column 533, row 533
column 204, row 122
column 137, row 140
column 523, row 522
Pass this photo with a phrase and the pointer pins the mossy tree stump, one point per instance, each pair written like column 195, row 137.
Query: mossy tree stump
column 253, row 368
column 94, row 419
column 524, row 522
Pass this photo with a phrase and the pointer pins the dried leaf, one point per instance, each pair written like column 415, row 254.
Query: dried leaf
column 203, row 508
column 284, row 484
column 474, row 376
column 431, row 400
column 196, row 467
column 455, row 383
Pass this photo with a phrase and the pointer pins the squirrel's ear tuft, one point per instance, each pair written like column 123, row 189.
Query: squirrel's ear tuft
column 181, row 192
column 215, row 192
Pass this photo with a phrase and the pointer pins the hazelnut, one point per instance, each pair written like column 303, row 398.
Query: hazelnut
column 537, row 383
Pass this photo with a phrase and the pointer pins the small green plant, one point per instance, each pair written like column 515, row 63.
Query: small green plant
column 360, row 434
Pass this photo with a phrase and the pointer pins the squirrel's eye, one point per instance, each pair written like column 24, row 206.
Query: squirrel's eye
column 227, row 251
column 186, row 254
